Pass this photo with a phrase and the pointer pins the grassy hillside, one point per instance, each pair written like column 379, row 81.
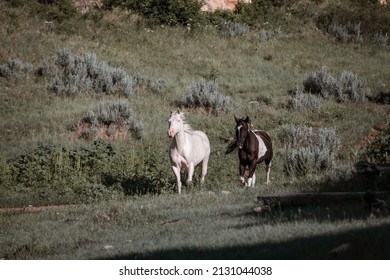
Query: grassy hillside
column 270, row 72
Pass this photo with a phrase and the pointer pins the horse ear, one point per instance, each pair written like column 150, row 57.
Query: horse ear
column 247, row 119
column 235, row 118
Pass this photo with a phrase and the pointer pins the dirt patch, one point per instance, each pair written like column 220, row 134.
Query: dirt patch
column 32, row 209
column 374, row 133
column 104, row 132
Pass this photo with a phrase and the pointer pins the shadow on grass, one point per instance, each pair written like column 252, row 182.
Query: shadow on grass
column 364, row 244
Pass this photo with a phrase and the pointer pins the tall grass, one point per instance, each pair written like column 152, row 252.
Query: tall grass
column 196, row 69
column 122, row 183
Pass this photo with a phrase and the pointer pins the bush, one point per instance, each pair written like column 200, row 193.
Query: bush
column 320, row 82
column 346, row 87
column 304, row 102
column 51, row 174
column 231, row 29
column 54, row 10
column 379, row 150
column 269, row 34
column 14, row 69
column 72, row 75
column 307, row 150
column 204, row 94
column 353, row 20
column 350, row 87
column 112, row 118
column 349, row 33
column 169, row 12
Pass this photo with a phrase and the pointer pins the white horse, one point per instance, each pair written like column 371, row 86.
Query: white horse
column 189, row 148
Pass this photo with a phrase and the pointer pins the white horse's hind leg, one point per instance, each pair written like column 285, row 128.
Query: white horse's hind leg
column 268, row 170
column 176, row 171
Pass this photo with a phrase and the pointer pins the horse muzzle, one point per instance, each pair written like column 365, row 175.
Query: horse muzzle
column 171, row 133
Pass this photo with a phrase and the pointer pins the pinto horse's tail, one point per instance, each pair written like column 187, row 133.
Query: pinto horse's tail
column 231, row 147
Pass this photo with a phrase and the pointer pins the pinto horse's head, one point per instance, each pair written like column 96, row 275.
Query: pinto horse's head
column 175, row 123
column 242, row 129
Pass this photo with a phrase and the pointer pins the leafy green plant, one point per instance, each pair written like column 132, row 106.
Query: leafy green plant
column 172, row 12
column 379, row 150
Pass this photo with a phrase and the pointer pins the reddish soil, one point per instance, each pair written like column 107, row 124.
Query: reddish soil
column 375, row 131
column 30, row 209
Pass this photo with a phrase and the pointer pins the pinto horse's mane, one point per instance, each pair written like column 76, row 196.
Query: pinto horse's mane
column 231, row 147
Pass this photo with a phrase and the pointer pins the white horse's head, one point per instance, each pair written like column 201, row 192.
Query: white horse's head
column 176, row 123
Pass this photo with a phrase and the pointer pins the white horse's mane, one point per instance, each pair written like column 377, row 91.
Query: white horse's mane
column 186, row 126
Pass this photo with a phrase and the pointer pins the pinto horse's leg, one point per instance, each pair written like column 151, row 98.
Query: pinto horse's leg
column 242, row 172
column 252, row 177
column 268, row 169
column 176, row 171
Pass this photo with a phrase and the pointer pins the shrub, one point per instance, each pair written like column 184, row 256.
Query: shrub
column 304, row 102
column 259, row 11
column 112, row 119
column 379, row 150
column 320, row 82
column 307, row 150
column 350, row 87
column 100, row 170
column 380, row 39
column 205, row 94
column 14, row 69
column 170, row 12
column 231, row 29
column 353, row 20
column 268, row 35
column 346, row 87
column 72, row 75
column 349, row 33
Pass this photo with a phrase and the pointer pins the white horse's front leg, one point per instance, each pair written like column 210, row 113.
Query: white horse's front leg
column 191, row 169
column 176, row 171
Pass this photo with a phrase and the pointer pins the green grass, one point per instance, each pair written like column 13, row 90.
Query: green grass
column 161, row 224
column 200, row 225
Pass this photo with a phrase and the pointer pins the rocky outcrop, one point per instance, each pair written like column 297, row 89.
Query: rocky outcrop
column 212, row 5
column 85, row 5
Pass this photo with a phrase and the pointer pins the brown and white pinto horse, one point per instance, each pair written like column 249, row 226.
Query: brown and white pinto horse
column 254, row 147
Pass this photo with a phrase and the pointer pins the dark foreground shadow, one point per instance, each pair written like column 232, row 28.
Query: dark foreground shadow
column 365, row 244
